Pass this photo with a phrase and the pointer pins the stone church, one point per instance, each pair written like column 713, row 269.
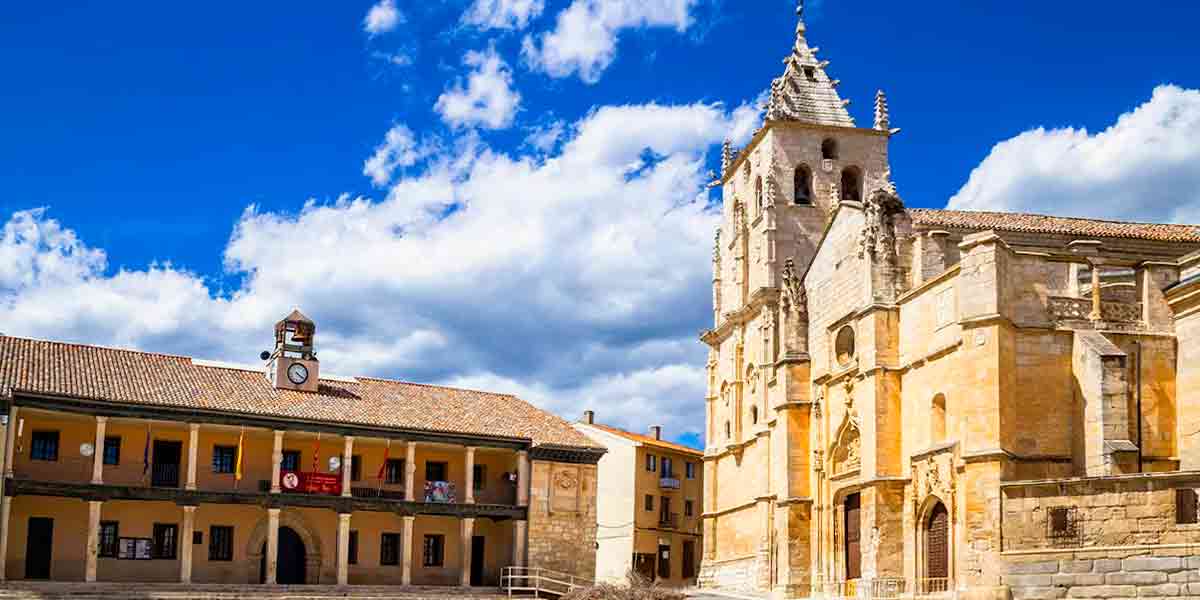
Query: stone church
column 909, row 402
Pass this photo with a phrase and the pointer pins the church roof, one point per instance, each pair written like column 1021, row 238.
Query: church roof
column 162, row 381
column 804, row 92
column 1045, row 224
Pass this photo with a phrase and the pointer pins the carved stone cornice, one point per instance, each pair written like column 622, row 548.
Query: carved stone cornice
column 761, row 297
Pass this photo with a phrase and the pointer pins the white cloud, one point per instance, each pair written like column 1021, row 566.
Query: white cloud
column 577, row 277
column 584, row 39
column 382, row 18
column 546, row 137
column 488, row 100
column 1143, row 167
column 503, row 14
column 399, row 149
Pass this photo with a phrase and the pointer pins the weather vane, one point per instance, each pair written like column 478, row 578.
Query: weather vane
column 799, row 8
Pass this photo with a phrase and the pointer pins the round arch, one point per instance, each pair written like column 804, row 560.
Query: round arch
column 935, row 546
column 303, row 528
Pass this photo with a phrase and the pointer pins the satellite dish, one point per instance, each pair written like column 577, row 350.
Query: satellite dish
column 86, row 449
column 335, row 463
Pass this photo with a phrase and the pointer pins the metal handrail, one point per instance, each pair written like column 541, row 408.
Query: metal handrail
column 539, row 581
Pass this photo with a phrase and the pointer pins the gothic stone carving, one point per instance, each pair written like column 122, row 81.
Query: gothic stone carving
column 794, row 296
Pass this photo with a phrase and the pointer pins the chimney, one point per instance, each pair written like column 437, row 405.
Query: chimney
column 589, row 417
column 656, row 431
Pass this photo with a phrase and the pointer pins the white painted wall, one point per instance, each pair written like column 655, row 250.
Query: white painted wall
column 615, row 504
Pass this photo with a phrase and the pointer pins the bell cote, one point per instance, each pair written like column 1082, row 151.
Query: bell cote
column 293, row 365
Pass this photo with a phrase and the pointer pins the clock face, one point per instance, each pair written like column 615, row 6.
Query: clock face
column 297, row 373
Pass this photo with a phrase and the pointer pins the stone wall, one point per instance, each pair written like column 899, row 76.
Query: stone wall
column 1122, row 538
column 562, row 518
column 1107, row 574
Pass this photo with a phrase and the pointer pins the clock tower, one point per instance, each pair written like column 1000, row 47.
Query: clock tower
column 293, row 365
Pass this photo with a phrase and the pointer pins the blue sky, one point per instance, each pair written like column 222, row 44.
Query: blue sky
column 209, row 164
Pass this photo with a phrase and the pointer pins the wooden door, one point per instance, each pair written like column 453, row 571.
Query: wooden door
column 937, row 543
column 689, row 559
column 477, row 557
column 167, row 456
column 39, row 544
column 664, row 562
column 853, row 529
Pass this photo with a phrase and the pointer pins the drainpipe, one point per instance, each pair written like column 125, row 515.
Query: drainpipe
column 1138, row 344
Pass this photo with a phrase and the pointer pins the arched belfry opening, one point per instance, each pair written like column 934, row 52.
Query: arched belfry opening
column 851, row 184
column 802, row 183
column 829, row 149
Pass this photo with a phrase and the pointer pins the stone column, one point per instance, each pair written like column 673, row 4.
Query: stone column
column 10, row 443
column 93, row 541
column 193, row 449
column 410, row 472
column 520, row 542
column 523, row 478
column 466, row 530
column 276, row 462
column 347, row 463
column 272, row 546
column 406, row 550
column 5, row 511
column 185, row 544
column 1096, row 313
column 469, row 494
column 343, row 549
column 98, row 456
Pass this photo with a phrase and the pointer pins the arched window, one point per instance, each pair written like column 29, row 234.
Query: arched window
column 758, row 195
column 802, row 182
column 829, row 149
column 852, row 184
column 843, row 345
column 937, row 419
column 754, row 415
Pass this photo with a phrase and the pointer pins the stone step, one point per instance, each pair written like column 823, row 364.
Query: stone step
column 141, row 591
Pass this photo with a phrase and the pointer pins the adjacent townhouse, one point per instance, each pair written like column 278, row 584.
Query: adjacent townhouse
column 648, row 505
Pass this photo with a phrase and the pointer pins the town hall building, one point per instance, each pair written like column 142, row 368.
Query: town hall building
column 910, row 402
column 126, row 466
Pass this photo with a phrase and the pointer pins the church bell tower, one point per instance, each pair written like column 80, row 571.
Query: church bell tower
column 293, row 364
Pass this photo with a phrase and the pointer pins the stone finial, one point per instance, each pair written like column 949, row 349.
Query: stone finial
column 726, row 157
column 882, row 116
column 717, row 248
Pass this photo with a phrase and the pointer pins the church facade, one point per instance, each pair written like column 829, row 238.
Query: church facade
column 910, row 402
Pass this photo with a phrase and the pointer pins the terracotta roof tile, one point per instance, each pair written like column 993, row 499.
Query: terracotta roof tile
column 1027, row 223
column 647, row 440
column 132, row 377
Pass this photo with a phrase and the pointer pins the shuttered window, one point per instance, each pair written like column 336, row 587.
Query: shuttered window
column 1186, row 506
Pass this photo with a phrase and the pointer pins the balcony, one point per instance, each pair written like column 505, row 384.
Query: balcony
column 668, row 483
column 187, row 463
column 668, row 520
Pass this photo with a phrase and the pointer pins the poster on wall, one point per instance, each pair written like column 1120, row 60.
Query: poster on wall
column 134, row 548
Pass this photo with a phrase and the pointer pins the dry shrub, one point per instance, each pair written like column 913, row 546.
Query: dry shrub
column 637, row 588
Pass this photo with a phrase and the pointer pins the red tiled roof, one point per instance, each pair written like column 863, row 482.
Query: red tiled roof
column 647, row 440
column 1027, row 223
column 132, row 377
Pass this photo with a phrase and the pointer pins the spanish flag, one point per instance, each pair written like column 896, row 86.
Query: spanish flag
column 238, row 469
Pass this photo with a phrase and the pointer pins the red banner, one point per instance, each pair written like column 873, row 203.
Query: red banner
column 311, row 483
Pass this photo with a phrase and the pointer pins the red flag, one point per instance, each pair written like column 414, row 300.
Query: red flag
column 383, row 466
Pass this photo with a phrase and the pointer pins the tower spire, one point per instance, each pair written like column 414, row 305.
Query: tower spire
column 804, row 92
